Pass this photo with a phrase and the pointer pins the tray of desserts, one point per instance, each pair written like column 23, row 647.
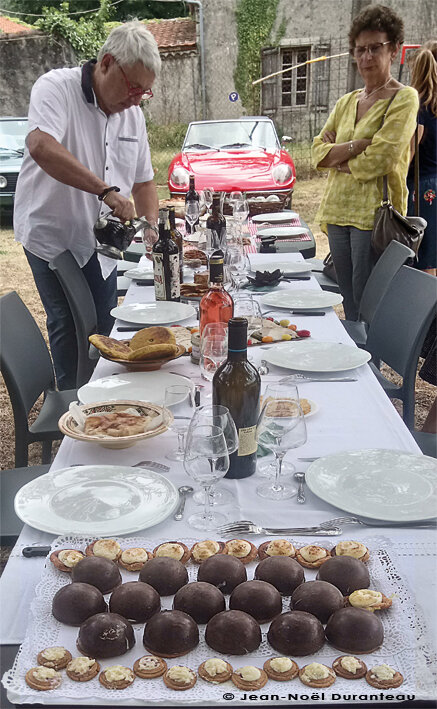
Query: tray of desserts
column 196, row 620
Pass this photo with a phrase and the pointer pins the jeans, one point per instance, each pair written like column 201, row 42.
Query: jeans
column 353, row 260
column 60, row 325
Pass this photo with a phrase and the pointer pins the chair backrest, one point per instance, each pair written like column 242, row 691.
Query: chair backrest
column 402, row 319
column 24, row 358
column 395, row 256
column 83, row 311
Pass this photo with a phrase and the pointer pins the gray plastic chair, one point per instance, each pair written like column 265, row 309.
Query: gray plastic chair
column 28, row 372
column 10, row 482
column 83, row 311
column 427, row 442
column 395, row 256
column 398, row 329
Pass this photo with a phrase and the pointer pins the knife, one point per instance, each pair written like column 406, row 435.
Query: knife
column 29, row 552
column 296, row 278
column 134, row 328
column 308, row 312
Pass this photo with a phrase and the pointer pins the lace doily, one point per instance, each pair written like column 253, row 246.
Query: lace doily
column 406, row 645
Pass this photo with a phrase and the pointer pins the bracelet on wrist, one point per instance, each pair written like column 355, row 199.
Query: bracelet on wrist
column 106, row 191
column 351, row 147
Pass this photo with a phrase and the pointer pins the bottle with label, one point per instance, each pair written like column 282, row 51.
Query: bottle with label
column 177, row 238
column 216, row 305
column 237, row 385
column 165, row 255
column 191, row 196
column 216, row 225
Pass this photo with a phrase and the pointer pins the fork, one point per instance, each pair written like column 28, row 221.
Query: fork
column 303, row 378
column 153, row 465
column 354, row 520
column 247, row 527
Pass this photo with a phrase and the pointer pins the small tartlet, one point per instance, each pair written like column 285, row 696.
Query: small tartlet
column 368, row 600
column 180, row 678
column 377, row 677
column 344, row 665
column 249, row 678
column 66, row 559
column 312, row 556
column 134, row 558
column 116, row 677
column 150, row 666
column 82, row 669
column 173, row 550
column 43, row 679
column 215, row 670
column 200, row 551
column 107, row 548
column 242, row 549
column 281, row 669
column 276, row 547
column 55, row 657
column 357, row 550
column 309, row 675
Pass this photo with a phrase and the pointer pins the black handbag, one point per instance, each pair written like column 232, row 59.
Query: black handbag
column 329, row 268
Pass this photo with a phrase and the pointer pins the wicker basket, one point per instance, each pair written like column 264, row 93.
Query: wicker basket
column 259, row 207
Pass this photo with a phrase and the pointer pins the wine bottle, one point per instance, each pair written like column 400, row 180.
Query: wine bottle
column 177, row 238
column 165, row 255
column 191, row 196
column 216, row 305
column 236, row 384
column 216, row 224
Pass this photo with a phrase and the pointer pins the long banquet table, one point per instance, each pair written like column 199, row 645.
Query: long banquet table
column 352, row 416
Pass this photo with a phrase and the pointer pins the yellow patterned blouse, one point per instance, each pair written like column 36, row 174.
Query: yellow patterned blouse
column 352, row 200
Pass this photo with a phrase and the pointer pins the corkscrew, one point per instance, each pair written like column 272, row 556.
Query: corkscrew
column 114, row 237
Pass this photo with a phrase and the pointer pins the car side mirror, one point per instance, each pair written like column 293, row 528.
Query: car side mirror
column 287, row 139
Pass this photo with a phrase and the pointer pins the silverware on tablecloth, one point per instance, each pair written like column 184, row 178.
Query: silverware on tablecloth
column 248, row 527
column 307, row 378
column 135, row 328
column 432, row 524
column 296, row 312
column 310, row 460
column 263, row 368
column 184, row 490
column 300, row 477
column 153, row 465
column 30, row 552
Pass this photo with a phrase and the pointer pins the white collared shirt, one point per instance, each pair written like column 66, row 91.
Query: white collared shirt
column 49, row 216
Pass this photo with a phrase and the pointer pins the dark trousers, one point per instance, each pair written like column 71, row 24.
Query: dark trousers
column 60, row 325
column 353, row 260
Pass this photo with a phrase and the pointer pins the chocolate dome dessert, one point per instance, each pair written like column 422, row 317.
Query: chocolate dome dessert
column 233, row 633
column 76, row 602
column 200, row 600
column 345, row 572
column 137, row 601
column 170, row 634
column 296, row 633
column 105, row 635
column 223, row 571
column 98, row 571
column 317, row 597
column 283, row 573
column 354, row 630
column 258, row 598
column 166, row 575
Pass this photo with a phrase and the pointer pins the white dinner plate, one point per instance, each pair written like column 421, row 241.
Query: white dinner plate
column 140, row 273
column 379, row 484
column 102, row 500
column 287, row 267
column 275, row 217
column 282, row 232
column 141, row 386
column 162, row 312
column 302, row 298
column 312, row 356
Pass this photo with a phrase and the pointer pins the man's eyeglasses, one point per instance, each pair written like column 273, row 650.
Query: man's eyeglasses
column 373, row 49
column 136, row 91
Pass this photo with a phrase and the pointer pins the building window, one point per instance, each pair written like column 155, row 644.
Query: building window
column 295, row 83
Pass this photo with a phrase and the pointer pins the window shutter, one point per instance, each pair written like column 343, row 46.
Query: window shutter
column 321, row 76
column 269, row 64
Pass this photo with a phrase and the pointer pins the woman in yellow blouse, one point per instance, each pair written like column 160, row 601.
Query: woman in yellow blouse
column 357, row 151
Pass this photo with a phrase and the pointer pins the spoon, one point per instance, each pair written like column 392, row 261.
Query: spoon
column 263, row 368
column 300, row 477
column 184, row 490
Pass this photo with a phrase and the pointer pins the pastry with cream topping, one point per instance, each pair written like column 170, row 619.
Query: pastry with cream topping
column 242, row 549
column 249, row 678
column 133, row 559
column 106, row 548
column 200, row 551
column 317, row 675
column 276, row 547
column 180, row 678
column 349, row 667
column 66, row 559
column 368, row 600
column 43, row 678
column 215, row 670
column 173, row 550
column 150, row 666
column 281, row 669
column 384, row 677
column 116, row 677
column 312, row 556
column 55, row 657
column 82, row 669
column 350, row 548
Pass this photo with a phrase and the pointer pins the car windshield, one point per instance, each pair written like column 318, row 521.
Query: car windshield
column 12, row 136
column 231, row 134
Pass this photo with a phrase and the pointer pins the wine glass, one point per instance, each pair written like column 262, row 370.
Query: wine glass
column 281, row 426
column 235, row 196
column 240, row 214
column 246, row 307
column 238, row 263
column 192, row 213
column 213, row 351
column 179, row 399
column 206, row 461
column 206, row 196
column 216, row 415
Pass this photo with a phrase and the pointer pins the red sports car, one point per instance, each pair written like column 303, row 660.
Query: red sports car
column 236, row 154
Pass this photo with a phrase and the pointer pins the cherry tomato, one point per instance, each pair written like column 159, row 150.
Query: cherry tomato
column 292, row 327
column 303, row 333
column 267, row 338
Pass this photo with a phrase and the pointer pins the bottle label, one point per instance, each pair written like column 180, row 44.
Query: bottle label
column 166, row 289
column 247, row 441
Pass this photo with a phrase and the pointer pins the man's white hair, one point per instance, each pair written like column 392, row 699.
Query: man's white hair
column 131, row 42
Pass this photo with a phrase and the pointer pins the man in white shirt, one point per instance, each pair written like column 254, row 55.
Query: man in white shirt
column 87, row 152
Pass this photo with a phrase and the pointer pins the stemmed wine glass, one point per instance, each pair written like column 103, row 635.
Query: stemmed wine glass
column 206, row 196
column 192, row 213
column 213, row 351
column 238, row 264
column 240, row 214
column 281, row 426
column 179, row 399
column 206, row 461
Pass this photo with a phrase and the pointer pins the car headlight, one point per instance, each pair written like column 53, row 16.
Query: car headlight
column 3, row 182
column 180, row 177
column 281, row 173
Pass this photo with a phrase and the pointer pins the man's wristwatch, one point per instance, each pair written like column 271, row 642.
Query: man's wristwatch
column 105, row 193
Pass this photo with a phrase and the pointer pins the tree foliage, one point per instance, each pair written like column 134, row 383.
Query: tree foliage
column 86, row 35
column 143, row 9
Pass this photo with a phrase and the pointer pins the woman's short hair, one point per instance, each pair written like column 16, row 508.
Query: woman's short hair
column 131, row 42
column 377, row 18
